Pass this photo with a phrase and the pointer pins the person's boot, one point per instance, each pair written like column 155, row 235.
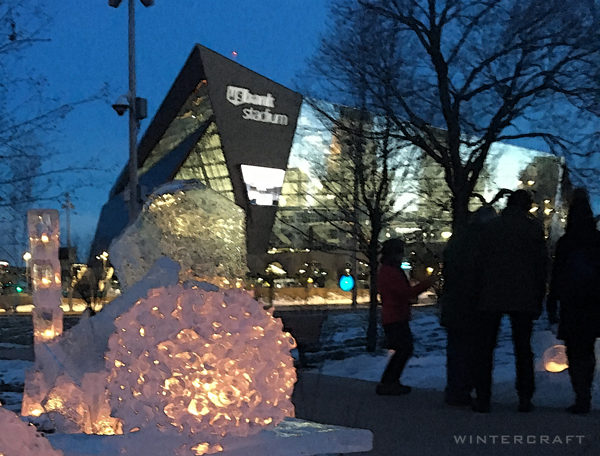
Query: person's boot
column 392, row 389
column 525, row 405
column 581, row 406
column 481, row 405
column 579, row 409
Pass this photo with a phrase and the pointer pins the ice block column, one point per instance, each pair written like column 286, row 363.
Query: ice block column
column 44, row 241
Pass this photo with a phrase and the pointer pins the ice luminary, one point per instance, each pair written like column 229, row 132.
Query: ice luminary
column 44, row 241
column 200, row 363
column 555, row 359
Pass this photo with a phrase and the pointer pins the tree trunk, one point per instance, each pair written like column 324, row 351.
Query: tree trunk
column 460, row 210
column 373, row 303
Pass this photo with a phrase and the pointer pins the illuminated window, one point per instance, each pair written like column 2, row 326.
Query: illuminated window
column 295, row 189
column 207, row 164
column 196, row 110
column 263, row 184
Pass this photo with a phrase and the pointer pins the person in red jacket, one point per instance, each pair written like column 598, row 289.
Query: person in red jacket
column 396, row 294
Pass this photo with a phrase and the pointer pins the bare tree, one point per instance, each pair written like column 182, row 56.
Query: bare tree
column 457, row 76
column 362, row 178
column 32, row 171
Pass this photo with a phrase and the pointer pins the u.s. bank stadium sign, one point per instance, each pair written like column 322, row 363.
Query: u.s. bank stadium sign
column 238, row 96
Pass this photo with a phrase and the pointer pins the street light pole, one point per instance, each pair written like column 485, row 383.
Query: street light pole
column 136, row 111
column 133, row 121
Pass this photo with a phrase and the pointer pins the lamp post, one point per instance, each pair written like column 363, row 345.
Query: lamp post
column 134, row 106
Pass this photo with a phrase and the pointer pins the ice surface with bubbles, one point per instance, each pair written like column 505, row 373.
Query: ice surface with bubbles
column 203, row 363
column 197, row 227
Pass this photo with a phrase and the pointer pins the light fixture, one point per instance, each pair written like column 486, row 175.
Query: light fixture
column 137, row 108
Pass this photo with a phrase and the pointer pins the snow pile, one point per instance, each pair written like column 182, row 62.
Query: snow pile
column 197, row 227
column 20, row 439
column 204, row 363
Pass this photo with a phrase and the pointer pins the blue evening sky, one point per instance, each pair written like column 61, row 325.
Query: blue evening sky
column 87, row 52
column 88, row 49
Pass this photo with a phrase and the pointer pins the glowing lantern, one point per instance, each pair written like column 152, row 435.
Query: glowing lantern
column 555, row 359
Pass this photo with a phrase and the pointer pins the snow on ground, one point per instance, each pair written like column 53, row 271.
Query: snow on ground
column 12, row 377
column 427, row 368
column 13, row 371
column 342, row 354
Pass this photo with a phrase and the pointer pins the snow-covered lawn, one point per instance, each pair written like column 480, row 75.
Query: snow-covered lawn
column 344, row 333
column 427, row 368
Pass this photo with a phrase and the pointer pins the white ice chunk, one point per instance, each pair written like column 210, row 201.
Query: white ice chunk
column 292, row 437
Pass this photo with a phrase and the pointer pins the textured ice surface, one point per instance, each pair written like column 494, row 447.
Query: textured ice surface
column 291, row 437
column 206, row 364
column 67, row 380
column 21, row 439
column 193, row 225
column 44, row 242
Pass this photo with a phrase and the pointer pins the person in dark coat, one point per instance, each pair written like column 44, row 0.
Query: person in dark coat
column 512, row 261
column 86, row 286
column 459, row 303
column 575, row 284
column 396, row 294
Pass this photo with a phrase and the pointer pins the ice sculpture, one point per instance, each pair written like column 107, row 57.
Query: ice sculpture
column 44, row 242
column 192, row 224
column 65, row 388
column 203, row 363
column 21, row 439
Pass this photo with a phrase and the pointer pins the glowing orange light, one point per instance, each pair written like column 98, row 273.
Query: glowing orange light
column 555, row 359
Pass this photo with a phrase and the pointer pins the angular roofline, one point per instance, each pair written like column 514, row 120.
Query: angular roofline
column 188, row 78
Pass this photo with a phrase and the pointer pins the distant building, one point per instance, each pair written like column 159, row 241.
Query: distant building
column 248, row 138
column 222, row 124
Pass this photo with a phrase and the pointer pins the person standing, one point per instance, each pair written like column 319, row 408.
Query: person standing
column 459, row 301
column 86, row 287
column 575, row 284
column 513, row 261
column 396, row 294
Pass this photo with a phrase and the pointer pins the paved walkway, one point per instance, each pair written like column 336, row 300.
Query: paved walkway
column 420, row 423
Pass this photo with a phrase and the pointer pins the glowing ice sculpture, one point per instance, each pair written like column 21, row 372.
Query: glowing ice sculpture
column 203, row 363
column 194, row 225
column 21, row 439
column 44, row 241
column 65, row 388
